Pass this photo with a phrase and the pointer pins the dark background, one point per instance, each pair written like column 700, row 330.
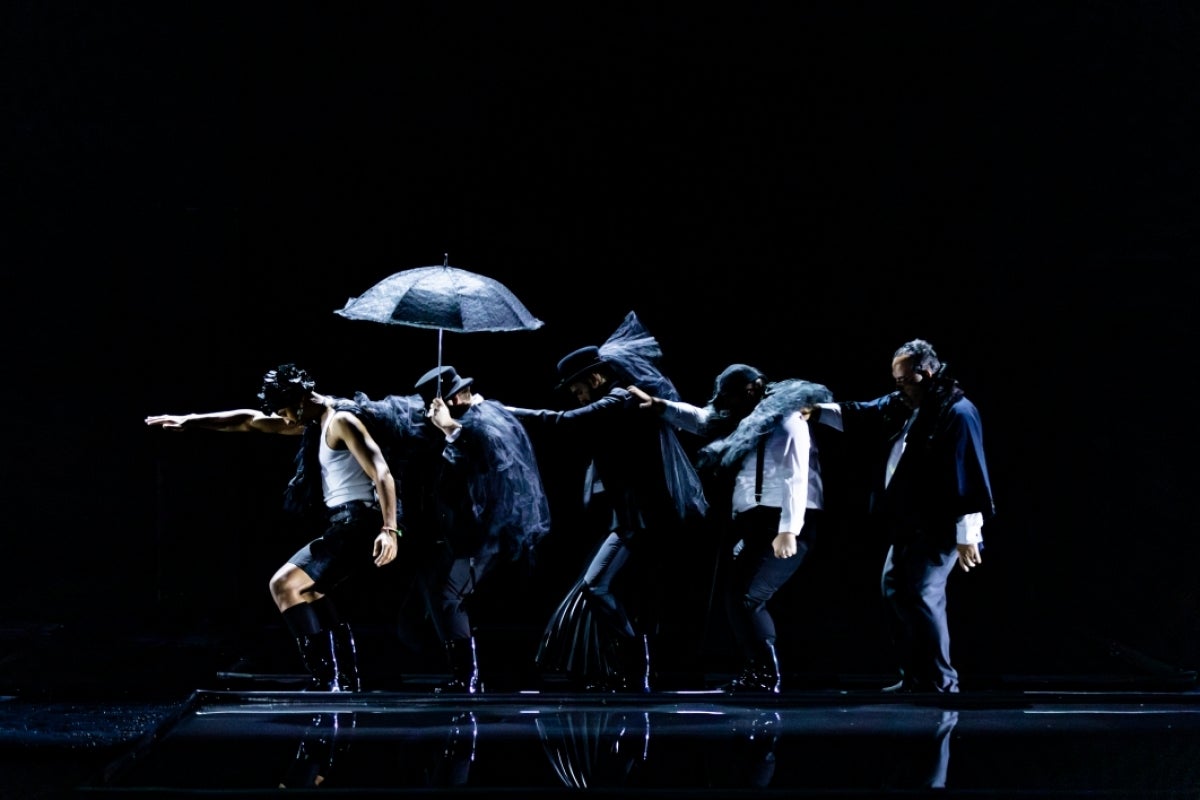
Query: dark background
column 191, row 190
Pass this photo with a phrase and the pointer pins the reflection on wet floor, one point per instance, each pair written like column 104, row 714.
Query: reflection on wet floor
column 998, row 745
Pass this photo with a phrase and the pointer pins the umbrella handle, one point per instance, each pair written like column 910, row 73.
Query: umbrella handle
column 445, row 264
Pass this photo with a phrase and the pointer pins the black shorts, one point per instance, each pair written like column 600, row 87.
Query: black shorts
column 344, row 549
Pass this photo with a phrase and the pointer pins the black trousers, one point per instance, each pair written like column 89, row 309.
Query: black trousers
column 755, row 574
column 445, row 582
column 913, row 583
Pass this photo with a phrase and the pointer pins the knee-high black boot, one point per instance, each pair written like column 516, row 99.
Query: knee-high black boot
column 464, row 668
column 638, row 664
column 628, row 668
column 320, row 659
column 345, row 653
column 316, row 643
column 761, row 672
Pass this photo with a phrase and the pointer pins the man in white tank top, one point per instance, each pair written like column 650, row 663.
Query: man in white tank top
column 357, row 496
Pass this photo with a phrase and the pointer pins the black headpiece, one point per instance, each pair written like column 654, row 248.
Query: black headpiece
column 730, row 385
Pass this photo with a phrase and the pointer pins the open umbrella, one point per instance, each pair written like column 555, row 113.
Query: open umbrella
column 442, row 297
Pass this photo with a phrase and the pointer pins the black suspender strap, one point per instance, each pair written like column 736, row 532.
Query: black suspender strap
column 758, row 469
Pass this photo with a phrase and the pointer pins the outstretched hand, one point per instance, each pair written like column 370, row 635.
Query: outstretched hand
column 646, row 400
column 173, row 422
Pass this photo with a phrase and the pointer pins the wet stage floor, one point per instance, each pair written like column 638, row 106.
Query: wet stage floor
column 804, row 744
column 156, row 709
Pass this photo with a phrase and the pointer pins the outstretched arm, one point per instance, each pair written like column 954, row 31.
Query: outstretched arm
column 824, row 413
column 241, row 420
column 646, row 401
column 685, row 416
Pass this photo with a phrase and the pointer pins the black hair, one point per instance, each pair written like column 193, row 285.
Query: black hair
column 284, row 387
column 922, row 354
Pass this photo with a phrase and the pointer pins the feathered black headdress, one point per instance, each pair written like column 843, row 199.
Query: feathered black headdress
column 781, row 399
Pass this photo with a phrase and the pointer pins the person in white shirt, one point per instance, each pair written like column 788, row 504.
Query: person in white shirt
column 767, row 463
column 931, row 500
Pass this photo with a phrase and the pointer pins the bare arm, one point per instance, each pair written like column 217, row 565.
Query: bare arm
column 350, row 430
column 241, row 420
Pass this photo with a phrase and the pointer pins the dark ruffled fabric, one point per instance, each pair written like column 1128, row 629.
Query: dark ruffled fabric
column 397, row 421
column 508, row 501
column 683, row 482
column 507, row 510
column 573, row 641
column 635, row 354
column 781, row 398
column 303, row 493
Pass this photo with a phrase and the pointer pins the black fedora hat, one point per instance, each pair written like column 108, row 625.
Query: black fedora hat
column 446, row 377
column 577, row 363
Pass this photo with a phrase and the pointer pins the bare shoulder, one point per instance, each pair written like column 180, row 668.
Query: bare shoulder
column 346, row 424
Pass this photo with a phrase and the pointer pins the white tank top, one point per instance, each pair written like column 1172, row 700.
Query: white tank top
column 342, row 478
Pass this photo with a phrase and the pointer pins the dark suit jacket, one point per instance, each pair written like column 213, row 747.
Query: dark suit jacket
column 627, row 455
column 941, row 476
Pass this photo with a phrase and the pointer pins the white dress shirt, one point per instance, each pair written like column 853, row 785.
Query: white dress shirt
column 791, row 470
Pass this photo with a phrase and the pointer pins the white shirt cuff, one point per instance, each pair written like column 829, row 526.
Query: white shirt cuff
column 970, row 528
column 831, row 415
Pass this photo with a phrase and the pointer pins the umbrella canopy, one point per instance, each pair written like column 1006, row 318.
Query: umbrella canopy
column 444, row 298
